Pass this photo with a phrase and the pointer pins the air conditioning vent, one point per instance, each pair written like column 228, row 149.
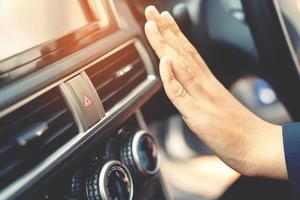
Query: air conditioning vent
column 33, row 131
column 117, row 75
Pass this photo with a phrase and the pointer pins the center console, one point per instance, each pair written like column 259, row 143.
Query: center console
column 125, row 166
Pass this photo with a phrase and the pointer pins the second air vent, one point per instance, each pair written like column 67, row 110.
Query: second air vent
column 32, row 132
column 117, row 75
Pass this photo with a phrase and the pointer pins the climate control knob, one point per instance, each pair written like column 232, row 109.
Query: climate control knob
column 140, row 154
column 110, row 181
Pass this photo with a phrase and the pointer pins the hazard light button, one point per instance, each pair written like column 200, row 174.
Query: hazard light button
column 83, row 100
column 87, row 101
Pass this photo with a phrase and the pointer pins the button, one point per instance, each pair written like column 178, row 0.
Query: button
column 83, row 100
column 87, row 101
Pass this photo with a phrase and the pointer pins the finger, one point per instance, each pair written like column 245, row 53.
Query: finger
column 152, row 14
column 186, row 75
column 174, row 90
column 185, row 43
column 175, row 38
column 155, row 39
column 188, row 78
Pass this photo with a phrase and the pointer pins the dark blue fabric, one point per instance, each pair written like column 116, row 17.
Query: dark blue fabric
column 291, row 140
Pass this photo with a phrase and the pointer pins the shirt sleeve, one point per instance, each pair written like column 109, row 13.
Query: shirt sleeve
column 291, row 140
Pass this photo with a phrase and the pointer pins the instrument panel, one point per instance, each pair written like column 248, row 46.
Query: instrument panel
column 62, row 96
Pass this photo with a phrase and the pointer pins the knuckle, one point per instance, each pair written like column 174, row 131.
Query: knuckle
column 179, row 93
column 164, row 27
column 186, row 67
column 174, row 27
column 161, row 43
column 190, row 49
column 171, row 78
column 193, row 52
column 176, row 30
column 191, row 81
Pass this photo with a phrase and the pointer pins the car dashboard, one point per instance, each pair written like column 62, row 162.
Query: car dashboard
column 71, row 92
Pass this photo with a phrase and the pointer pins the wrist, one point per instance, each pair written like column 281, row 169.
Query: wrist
column 267, row 154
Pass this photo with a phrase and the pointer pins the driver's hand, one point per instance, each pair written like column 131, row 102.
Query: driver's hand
column 242, row 140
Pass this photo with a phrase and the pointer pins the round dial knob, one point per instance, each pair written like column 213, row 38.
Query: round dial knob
column 140, row 154
column 110, row 181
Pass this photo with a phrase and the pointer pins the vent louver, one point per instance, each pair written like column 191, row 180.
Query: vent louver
column 32, row 132
column 117, row 75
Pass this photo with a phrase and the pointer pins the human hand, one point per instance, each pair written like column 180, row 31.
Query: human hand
column 242, row 140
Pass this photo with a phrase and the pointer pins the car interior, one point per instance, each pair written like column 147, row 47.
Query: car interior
column 83, row 114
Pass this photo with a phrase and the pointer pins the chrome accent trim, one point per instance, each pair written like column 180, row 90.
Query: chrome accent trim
column 138, row 135
column 286, row 35
column 21, row 182
column 102, row 179
column 123, row 71
column 140, row 119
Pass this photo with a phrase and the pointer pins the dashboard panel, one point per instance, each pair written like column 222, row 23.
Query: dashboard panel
column 65, row 99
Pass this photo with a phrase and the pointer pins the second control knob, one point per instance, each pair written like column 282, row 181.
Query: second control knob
column 140, row 154
column 110, row 181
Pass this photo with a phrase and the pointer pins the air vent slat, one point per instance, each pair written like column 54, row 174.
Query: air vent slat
column 56, row 116
column 28, row 114
column 113, row 78
column 60, row 133
column 105, row 72
column 5, row 169
column 47, row 113
column 117, row 75
column 113, row 62
column 121, row 87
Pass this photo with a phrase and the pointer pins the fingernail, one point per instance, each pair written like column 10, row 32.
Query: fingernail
column 165, row 13
column 148, row 9
column 153, row 10
column 151, row 25
column 151, row 7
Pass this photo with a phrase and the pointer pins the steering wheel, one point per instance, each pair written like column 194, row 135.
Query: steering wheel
column 279, row 59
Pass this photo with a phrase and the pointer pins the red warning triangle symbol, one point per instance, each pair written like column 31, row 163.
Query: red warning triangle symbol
column 87, row 101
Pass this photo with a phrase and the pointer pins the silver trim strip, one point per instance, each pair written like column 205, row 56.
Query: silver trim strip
column 135, row 142
column 140, row 120
column 102, row 179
